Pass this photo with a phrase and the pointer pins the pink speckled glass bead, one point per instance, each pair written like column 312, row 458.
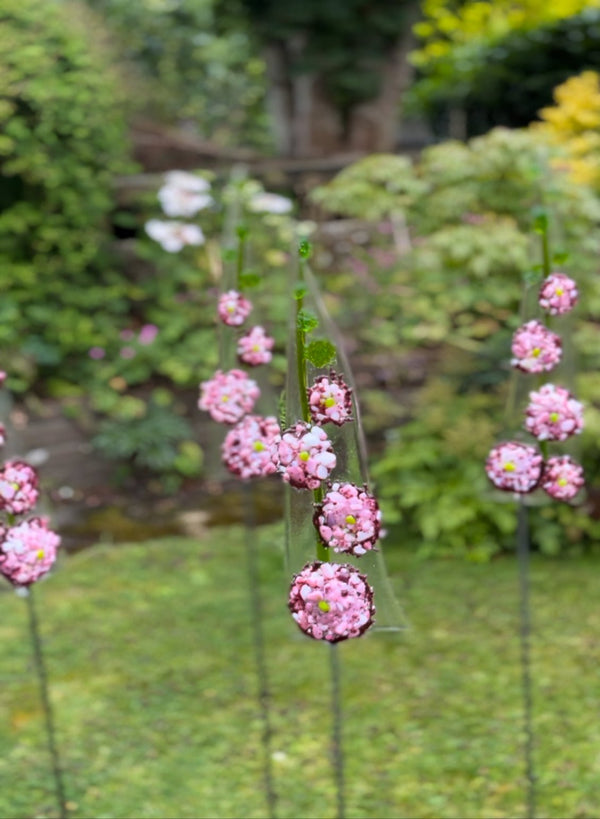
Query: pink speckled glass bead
column 558, row 294
column 330, row 400
column 233, row 308
column 348, row 519
column 553, row 414
column 255, row 347
column 228, row 396
column 331, row 601
column 246, row 450
column 562, row 478
column 18, row 487
column 304, row 456
column 535, row 348
column 27, row 551
column 514, row 467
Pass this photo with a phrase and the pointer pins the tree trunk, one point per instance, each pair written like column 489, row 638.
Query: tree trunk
column 306, row 122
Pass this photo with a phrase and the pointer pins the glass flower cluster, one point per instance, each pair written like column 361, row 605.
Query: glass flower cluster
column 28, row 548
column 552, row 414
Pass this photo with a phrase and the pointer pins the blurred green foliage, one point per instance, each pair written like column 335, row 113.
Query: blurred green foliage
column 63, row 140
column 187, row 68
column 454, row 291
column 504, row 76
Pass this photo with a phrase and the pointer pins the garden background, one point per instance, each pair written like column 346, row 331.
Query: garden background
column 419, row 143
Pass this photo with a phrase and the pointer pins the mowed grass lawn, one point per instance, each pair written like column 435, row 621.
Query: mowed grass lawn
column 152, row 678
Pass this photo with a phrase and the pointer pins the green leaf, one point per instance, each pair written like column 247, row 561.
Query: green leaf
column 300, row 290
column 248, row 280
column 320, row 352
column 532, row 277
column 304, row 249
column 306, row 321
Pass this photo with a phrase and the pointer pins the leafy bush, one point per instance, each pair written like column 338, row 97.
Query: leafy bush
column 456, row 295
column 63, row 139
column 505, row 78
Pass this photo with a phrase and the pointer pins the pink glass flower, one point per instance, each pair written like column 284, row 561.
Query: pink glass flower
column 553, row 414
column 558, row 294
column 304, row 456
column 18, row 487
column 562, row 478
column 331, row 601
column 514, row 467
column 27, row 551
column 246, row 449
column 233, row 308
column 535, row 348
column 348, row 519
column 228, row 396
column 255, row 347
column 330, row 399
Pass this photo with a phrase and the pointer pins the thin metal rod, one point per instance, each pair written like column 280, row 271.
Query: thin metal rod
column 258, row 637
column 525, row 634
column 337, row 747
column 40, row 665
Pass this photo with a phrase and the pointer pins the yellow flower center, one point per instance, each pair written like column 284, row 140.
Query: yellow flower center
column 40, row 554
column 329, row 402
column 562, row 481
column 536, row 352
column 304, row 456
column 324, row 605
column 509, row 466
column 224, row 398
column 554, row 416
column 258, row 446
column 350, row 519
column 256, row 348
column 559, row 291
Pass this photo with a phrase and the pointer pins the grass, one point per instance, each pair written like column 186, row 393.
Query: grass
column 152, row 680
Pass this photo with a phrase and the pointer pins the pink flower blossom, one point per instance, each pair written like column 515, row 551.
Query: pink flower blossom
column 562, row 478
column 247, row 447
column 173, row 236
column 148, row 333
column 558, row 294
column 348, row 519
column 127, row 334
column 514, row 467
column 18, row 487
column 304, row 456
column 228, row 396
column 27, row 551
column 184, row 194
column 330, row 399
column 127, row 352
column 553, row 414
column 233, row 308
column 255, row 347
column 535, row 348
column 97, row 353
column 331, row 601
column 2, row 434
column 2, row 377
column 270, row 203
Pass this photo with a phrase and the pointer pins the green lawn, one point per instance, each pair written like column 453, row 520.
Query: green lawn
column 148, row 649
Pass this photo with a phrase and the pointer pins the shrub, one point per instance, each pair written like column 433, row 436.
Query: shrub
column 63, row 139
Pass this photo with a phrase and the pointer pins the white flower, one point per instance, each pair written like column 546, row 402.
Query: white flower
column 173, row 236
column 270, row 203
column 184, row 194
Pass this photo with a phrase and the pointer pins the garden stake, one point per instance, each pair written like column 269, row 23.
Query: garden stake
column 262, row 676
column 525, row 634
column 46, row 704
column 337, row 747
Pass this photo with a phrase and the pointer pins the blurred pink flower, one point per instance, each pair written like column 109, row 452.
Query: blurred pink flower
column 514, row 467
column 148, row 333
column 562, row 478
column 247, row 446
column 255, row 347
column 535, row 348
column 27, row 551
column 127, row 334
column 233, row 308
column 127, row 352
column 553, row 414
column 97, row 353
column 18, row 487
column 558, row 294
column 184, row 194
column 173, row 236
column 228, row 396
